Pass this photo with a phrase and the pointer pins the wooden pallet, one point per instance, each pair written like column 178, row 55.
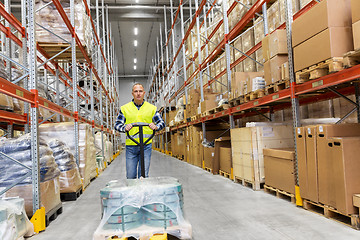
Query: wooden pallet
column 280, row 193
column 254, row 95
column 251, row 184
column 319, row 70
column 276, row 87
column 71, row 196
column 329, row 212
column 208, row 169
column 225, row 174
column 53, row 214
column 54, row 48
column 236, row 101
column 352, row 58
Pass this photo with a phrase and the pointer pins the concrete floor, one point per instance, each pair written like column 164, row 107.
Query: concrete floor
column 216, row 207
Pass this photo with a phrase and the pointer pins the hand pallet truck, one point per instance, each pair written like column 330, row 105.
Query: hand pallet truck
column 142, row 144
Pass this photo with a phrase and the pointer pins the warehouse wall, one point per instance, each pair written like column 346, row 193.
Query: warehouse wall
column 125, row 94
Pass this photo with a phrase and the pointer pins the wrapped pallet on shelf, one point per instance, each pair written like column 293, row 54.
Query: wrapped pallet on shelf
column 70, row 180
column 87, row 152
column 20, row 149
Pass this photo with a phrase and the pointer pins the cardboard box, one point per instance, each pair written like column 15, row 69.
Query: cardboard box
column 311, row 164
column 285, row 75
column 238, row 82
column 248, row 40
column 279, row 169
column 346, row 167
column 326, row 14
column 278, row 43
column 255, row 83
column 267, row 73
column 355, row 10
column 220, row 143
column 275, row 67
column 302, row 162
column 209, row 155
column 325, row 173
column 225, row 159
column 247, row 149
column 356, row 34
column 356, row 200
column 266, row 48
column 332, row 42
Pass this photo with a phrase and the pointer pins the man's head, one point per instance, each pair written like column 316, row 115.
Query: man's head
column 138, row 93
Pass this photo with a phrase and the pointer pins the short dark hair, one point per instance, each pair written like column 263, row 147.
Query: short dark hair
column 137, row 83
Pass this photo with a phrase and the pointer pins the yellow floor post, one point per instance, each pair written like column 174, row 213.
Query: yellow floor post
column 298, row 198
column 38, row 220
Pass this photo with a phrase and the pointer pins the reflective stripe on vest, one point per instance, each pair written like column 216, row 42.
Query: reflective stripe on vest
column 143, row 115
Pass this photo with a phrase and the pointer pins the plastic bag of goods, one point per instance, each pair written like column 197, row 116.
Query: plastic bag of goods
column 70, row 180
column 20, row 149
column 87, row 151
column 14, row 224
column 140, row 207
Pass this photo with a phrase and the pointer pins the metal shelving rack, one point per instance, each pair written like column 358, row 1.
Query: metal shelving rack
column 330, row 86
column 61, row 78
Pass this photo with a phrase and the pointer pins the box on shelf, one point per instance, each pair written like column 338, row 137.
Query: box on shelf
column 258, row 30
column 302, row 161
column 255, row 83
column 303, row 3
column 332, row 42
column 273, row 13
column 346, row 169
column 259, row 58
column 295, row 9
column 312, row 164
column 225, row 159
column 326, row 14
column 278, row 43
column 272, row 69
column 356, row 34
column 223, row 142
column 247, row 149
column 249, row 63
column 285, row 75
column 279, row 169
column 355, row 11
column 325, row 172
column 248, row 41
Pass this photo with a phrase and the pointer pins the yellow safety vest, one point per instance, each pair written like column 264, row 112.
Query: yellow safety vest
column 132, row 115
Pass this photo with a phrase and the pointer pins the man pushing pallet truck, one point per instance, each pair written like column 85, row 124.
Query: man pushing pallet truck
column 144, row 208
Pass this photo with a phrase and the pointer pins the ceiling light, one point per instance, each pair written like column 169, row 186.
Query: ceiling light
column 135, row 60
column 135, row 67
column 136, row 31
column 135, row 43
column 137, row 1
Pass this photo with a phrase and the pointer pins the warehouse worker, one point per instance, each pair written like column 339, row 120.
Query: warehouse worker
column 138, row 110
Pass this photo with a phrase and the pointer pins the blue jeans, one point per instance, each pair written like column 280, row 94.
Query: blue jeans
column 133, row 164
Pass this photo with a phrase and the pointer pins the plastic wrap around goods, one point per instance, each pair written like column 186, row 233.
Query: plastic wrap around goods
column 142, row 207
column 49, row 18
column 87, row 151
column 70, row 180
column 20, row 150
column 14, row 224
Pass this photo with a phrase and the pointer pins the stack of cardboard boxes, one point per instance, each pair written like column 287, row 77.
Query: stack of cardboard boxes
column 328, row 165
column 275, row 53
column 330, row 37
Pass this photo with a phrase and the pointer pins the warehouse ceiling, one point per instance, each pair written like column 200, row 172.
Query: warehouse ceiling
column 146, row 16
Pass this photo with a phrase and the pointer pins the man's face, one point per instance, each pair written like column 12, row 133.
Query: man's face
column 138, row 93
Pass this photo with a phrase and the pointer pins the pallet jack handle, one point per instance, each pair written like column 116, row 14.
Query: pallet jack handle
column 141, row 143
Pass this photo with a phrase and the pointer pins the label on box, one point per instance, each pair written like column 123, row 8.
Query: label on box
column 268, row 132
column 299, row 131
column 321, row 129
column 212, row 154
column 309, row 131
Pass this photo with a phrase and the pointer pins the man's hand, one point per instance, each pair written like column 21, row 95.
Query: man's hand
column 153, row 126
column 128, row 127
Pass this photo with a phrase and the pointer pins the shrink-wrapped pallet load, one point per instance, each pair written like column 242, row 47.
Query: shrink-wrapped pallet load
column 87, row 152
column 49, row 19
column 70, row 180
column 14, row 224
column 20, row 149
column 141, row 207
